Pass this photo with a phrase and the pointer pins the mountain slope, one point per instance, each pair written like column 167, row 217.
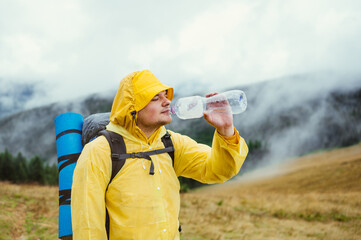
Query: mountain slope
column 337, row 170
column 317, row 196
column 32, row 132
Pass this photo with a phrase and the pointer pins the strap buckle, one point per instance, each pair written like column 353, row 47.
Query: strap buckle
column 137, row 155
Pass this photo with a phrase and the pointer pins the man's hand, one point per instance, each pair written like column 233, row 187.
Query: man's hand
column 221, row 117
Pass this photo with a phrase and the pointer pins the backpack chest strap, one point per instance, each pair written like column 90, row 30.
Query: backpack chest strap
column 145, row 155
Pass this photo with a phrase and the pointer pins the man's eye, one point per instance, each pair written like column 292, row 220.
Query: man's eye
column 155, row 98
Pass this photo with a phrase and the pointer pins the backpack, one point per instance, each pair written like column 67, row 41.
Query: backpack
column 92, row 127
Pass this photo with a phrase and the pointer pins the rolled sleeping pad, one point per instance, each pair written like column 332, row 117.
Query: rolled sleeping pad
column 68, row 131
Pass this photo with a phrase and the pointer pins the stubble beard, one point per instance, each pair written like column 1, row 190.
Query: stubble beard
column 165, row 122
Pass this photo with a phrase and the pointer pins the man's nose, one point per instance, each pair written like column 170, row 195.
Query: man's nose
column 166, row 102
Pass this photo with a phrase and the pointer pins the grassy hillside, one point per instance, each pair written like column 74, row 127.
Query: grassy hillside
column 317, row 196
column 313, row 197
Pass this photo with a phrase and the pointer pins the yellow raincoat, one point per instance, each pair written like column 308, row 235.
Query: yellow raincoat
column 140, row 205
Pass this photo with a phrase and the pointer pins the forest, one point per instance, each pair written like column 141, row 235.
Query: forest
column 18, row 169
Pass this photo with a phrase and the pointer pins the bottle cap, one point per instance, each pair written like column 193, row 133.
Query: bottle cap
column 172, row 110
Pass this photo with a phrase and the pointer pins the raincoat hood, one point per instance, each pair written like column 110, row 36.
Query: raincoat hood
column 134, row 93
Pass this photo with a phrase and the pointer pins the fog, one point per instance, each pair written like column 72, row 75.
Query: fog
column 301, row 114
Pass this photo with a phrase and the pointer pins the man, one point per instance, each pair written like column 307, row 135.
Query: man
column 141, row 205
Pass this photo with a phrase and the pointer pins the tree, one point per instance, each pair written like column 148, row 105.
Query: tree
column 1, row 166
column 7, row 168
column 21, row 169
column 51, row 174
column 36, row 170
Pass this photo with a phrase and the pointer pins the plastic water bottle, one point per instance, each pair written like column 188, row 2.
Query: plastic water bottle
column 233, row 101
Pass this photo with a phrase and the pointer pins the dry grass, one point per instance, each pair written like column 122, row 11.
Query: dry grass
column 314, row 197
column 28, row 212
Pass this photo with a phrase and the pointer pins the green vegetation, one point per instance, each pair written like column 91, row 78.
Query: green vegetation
column 315, row 216
column 254, row 145
column 20, row 170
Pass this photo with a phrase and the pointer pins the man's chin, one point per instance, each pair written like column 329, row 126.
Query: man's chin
column 165, row 122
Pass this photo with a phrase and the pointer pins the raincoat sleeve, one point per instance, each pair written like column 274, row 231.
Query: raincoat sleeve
column 206, row 164
column 90, row 180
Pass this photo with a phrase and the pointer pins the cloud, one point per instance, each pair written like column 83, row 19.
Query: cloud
column 234, row 43
column 81, row 47
column 34, row 35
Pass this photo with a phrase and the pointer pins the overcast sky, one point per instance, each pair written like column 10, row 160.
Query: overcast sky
column 75, row 47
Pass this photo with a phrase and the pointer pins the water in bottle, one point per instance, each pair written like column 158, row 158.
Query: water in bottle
column 233, row 101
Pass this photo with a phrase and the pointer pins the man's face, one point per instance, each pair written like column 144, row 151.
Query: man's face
column 155, row 114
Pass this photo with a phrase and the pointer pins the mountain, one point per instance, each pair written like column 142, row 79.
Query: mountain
column 286, row 117
column 32, row 131
column 294, row 115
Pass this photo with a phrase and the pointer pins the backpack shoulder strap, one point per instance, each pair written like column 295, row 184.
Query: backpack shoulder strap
column 167, row 141
column 117, row 147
